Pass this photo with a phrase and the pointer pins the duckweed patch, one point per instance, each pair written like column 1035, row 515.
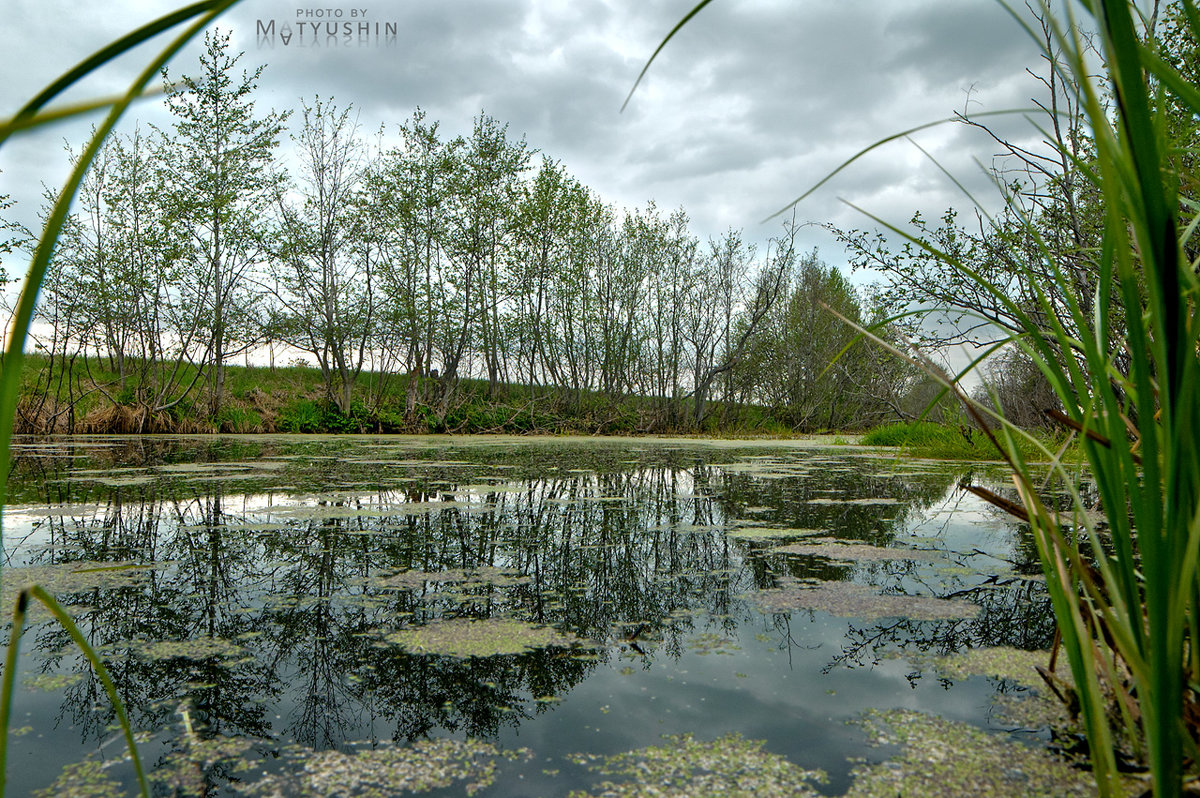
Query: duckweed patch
column 1002, row 662
column 683, row 767
column 1033, row 706
column 849, row 600
column 366, row 773
column 941, row 757
column 52, row 682
column 770, row 533
column 86, row 779
column 1034, row 710
column 464, row 637
column 184, row 771
column 852, row 552
column 712, row 643
column 199, row 648
column 468, row 577
column 123, row 482
column 386, row 771
column 72, row 577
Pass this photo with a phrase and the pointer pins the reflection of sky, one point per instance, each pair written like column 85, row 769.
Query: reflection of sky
column 790, row 679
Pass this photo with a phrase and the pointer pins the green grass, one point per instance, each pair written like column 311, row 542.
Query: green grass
column 957, row 442
column 292, row 399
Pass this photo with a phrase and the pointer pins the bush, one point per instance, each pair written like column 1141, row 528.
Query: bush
column 301, row 416
column 906, row 433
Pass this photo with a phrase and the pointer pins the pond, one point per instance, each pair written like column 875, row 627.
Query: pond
column 525, row 616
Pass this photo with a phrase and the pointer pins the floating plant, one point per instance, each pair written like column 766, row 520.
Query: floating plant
column 730, row 766
column 463, row 637
column 849, row 600
column 941, row 757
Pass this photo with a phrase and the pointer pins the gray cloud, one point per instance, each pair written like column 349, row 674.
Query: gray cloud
column 752, row 103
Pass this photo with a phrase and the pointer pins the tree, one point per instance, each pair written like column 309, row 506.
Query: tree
column 485, row 189
column 406, row 201
column 1015, row 387
column 325, row 280
column 222, row 181
column 738, row 306
column 13, row 237
column 1050, row 222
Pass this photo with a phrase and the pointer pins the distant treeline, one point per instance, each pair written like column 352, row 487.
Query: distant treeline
column 419, row 278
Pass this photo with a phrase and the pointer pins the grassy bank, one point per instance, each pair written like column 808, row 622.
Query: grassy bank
column 89, row 398
column 956, row 442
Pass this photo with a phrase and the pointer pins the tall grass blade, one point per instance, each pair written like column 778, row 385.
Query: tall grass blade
column 678, row 27
column 8, row 684
column 10, row 375
column 109, row 53
column 10, row 670
column 32, row 117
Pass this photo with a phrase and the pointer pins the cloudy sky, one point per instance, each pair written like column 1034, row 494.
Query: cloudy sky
column 752, row 103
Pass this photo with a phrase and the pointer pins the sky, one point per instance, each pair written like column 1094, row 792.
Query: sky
column 751, row 104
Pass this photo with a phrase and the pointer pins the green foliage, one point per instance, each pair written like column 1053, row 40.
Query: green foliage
column 949, row 441
column 309, row 416
column 303, row 415
column 1110, row 315
column 913, row 433
column 817, row 374
column 238, row 419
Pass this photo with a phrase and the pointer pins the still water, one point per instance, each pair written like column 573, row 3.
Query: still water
column 510, row 616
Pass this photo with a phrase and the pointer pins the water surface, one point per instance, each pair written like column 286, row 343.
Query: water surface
column 276, row 611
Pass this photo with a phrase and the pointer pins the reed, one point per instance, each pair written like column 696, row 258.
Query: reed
column 1124, row 590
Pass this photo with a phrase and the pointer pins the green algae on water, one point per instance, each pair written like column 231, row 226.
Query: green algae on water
column 185, row 772
column 1001, row 662
column 852, row 552
column 730, row 766
column 770, row 533
column 464, row 637
column 712, row 643
column 86, row 779
column 941, row 757
column 369, row 772
column 484, row 576
column 199, row 648
column 386, row 770
column 849, row 600
column 72, row 577
column 1033, row 706
column 52, row 682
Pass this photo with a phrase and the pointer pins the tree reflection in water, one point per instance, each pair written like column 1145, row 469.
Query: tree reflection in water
column 285, row 581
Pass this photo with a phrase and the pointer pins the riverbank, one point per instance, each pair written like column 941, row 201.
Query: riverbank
column 293, row 399
column 90, row 397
